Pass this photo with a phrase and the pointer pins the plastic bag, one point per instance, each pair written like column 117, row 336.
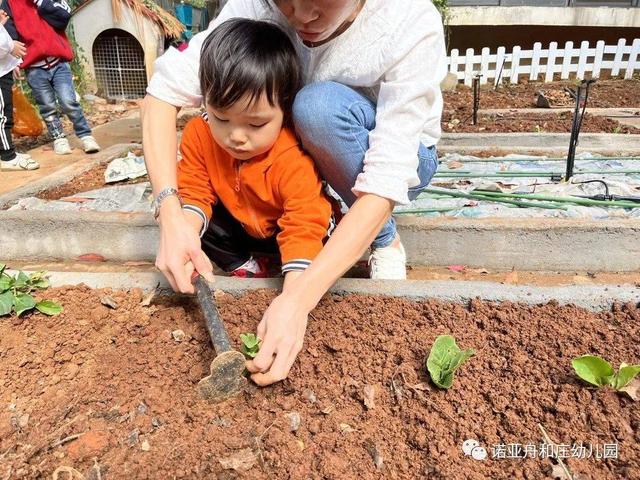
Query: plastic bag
column 26, row 120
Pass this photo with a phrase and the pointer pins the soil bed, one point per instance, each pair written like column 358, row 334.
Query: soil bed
column 604, row 94
column 118, row 380
column 89, row 180
column 541, row 123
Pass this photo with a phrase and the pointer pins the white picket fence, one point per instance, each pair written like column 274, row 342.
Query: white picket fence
column 501, row 66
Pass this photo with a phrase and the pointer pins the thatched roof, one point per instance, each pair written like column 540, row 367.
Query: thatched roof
column 169, row 25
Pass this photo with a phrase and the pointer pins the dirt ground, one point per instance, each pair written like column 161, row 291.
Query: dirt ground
column 111, row 394
column 89, row 180
column 460, row 121
column 603, row 94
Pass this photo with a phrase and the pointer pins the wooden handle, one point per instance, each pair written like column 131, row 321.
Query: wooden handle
column 216, row 329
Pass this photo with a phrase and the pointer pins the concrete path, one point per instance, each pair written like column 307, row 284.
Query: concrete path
column 593, row 297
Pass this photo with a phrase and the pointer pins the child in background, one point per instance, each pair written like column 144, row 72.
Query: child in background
column 11, row 53
column 41, row 25
column 243, row 177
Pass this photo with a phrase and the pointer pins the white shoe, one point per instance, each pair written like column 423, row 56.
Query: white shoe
column 89, row 144
column 388, row 263
column 61, row 146
column 21, row 162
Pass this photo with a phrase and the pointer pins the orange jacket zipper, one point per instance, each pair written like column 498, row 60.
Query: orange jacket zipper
column 251, row 211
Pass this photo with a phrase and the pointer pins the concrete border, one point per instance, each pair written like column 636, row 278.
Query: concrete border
column 592, row 297
column 547, row 143
column 498, row 244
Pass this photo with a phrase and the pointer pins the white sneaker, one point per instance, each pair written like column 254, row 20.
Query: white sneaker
column 89, row 144
column 21, row 162
column 388, row 263
column 61, row 146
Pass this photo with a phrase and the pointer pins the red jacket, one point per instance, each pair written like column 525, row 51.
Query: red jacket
column 41, row 39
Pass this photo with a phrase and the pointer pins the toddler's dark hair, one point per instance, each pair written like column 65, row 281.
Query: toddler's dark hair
column 249, row 57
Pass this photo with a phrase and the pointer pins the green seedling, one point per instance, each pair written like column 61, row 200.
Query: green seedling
column 15, row 293
column 250, row 344
column 600, row 373
column 444, row 359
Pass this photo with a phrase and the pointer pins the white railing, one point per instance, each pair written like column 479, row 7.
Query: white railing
column 545, row 62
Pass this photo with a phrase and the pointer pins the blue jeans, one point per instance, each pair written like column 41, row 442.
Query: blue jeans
column 333, row 122
column 54, row 87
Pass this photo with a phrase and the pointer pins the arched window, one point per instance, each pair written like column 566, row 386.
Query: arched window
column 118, row 60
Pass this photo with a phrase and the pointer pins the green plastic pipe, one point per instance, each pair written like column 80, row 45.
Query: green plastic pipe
column 589, row 202
column 526, row 174
column 488, row 198
column 535, row 159
column 426, row 210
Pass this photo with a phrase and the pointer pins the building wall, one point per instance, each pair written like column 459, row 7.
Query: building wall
column 547, row 16
column 95, row 18
column 478, row 36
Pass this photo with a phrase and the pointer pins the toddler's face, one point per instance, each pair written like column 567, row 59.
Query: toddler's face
column 317, row 20
column 246, row 129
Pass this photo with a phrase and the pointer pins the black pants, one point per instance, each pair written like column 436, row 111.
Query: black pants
column 7, row 152
column 228, row 244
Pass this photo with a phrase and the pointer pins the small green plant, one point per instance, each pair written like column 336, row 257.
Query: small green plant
column 444, row 359
column 600, row 373
column 15, row 293
column 250, row 344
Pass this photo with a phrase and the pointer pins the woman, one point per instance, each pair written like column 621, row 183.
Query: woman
column 373, row 70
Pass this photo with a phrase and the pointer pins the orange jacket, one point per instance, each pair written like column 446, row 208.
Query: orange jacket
column 278, row 192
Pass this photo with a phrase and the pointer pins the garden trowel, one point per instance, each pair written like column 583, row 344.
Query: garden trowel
column 226, row 378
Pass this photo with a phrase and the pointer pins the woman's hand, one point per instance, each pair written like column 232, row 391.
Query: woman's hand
column 19, row 49
column 282, row 330
column 284, row 323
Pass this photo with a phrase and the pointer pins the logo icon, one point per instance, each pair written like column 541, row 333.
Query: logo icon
column 473, row 449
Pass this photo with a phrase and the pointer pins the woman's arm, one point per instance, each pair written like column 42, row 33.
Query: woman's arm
column 179, row 243
column 409, row 97
column 286, row 318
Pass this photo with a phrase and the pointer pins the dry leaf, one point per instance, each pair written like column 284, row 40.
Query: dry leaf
column 374, row 451
column 240, row 461
column 91, row 257
column 482, row 271
column 327, row 409
column 558, row 473
column 457, row 268
column 346, row 428
column 294, row 421
column 421, row 387
column 453, row 164
column 109, row 302
column 511, row 277
column 146, row 301
column 369, row 397
column 632, row 389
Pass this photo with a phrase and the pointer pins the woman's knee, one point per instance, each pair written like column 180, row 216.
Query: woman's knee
column 324, row 111
column 313, row 105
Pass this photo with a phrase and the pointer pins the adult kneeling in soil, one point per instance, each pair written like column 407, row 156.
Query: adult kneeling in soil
column 373, row 70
